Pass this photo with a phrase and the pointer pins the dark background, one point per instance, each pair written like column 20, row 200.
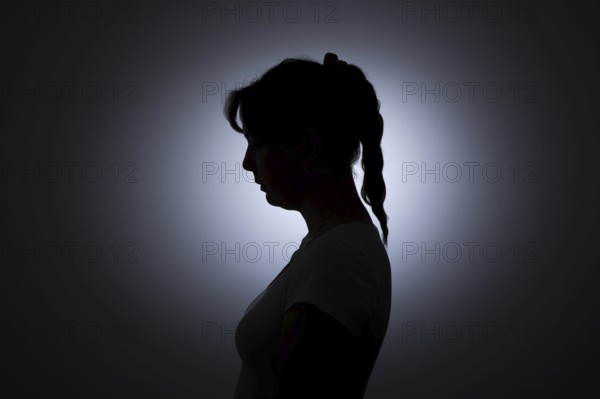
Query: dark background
column 132, row 241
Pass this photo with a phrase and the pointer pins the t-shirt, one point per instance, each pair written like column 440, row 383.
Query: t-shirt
column 346, row 273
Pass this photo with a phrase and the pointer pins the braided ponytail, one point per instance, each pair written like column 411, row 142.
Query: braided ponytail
column 373, row 190
column 368, row 121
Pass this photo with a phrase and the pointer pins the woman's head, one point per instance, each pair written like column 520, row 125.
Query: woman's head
column 299, row 98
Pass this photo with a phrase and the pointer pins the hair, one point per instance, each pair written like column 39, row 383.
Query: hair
column 334, row 98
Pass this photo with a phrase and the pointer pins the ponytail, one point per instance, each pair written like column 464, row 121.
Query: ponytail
column 373, row 189
column 369, row 123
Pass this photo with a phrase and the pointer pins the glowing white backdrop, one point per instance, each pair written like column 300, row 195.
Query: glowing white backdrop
column 205, row 232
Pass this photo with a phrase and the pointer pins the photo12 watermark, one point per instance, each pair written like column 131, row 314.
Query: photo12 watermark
column 270, row 12
column 218, row 91
column 469, row 12
column 491, row 92
column 69, row 92
column 470, row 332
column 247, row 252
column 469, row 171
column 68, row 252
column 70, row 12
column 223, row 172
column 218, row 332
column 68, row 332
column 70, row 172
column 473, row 252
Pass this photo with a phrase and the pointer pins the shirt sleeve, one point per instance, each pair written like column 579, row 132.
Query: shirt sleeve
column 337, row 278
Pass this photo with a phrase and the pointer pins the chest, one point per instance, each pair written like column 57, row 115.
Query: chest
column 258, row 332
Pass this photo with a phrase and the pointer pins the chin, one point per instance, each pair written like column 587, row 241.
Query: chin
column 279, row 203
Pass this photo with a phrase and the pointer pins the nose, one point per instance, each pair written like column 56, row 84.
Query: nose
column 248, row 162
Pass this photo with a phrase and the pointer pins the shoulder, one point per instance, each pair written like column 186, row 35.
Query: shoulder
column 349, row 246
column 347, row 280
column 336, row 261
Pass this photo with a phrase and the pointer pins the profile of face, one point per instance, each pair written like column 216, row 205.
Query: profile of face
column 307, row 124
column 279, row 170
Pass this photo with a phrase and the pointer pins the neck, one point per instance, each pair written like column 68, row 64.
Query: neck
column 333, row 202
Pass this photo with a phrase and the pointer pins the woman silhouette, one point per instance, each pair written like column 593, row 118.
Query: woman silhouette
column 316, row 330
